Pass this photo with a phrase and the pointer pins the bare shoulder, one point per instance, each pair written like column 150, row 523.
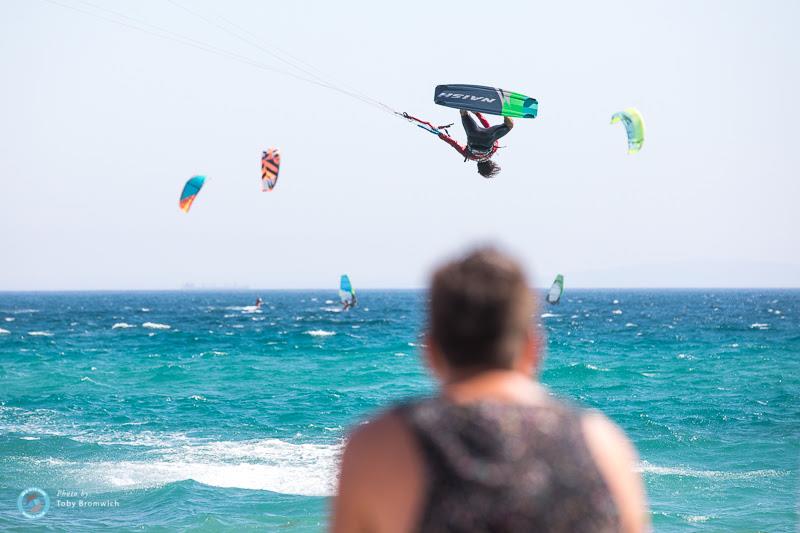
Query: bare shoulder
column 378, row 437
column 616, row 458
column 607, row 437
column 376, row 452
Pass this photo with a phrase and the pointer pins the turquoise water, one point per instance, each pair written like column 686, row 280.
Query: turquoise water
column 193, row 411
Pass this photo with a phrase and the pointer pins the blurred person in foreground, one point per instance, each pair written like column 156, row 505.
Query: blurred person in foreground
column 493, row 451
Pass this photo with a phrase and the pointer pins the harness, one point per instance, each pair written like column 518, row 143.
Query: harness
column 479, row 155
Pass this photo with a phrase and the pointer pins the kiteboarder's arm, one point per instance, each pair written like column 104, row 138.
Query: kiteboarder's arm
column 454, row 143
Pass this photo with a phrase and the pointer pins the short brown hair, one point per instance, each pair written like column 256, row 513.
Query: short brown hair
column 480, row 310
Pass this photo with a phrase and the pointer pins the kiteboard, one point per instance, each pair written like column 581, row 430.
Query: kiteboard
column 490, row 100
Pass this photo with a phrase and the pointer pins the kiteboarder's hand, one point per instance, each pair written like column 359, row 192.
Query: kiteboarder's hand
column 509, row 122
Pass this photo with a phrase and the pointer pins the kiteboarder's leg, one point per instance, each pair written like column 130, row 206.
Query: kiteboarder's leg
column 500, row 130
column 470, row 127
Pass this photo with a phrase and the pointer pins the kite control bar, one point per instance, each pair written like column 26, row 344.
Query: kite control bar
column 427, row 126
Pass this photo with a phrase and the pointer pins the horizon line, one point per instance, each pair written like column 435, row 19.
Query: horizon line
column 376, row 289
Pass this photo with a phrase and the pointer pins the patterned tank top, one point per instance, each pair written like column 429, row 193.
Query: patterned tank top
column 495, row 467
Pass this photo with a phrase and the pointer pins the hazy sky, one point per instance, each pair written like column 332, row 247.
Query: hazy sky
column 101, row 124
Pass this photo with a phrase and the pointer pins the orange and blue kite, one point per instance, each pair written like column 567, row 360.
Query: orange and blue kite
column 270, row 165
column 190, row 191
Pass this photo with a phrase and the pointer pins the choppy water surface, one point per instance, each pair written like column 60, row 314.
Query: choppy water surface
column 197, row 410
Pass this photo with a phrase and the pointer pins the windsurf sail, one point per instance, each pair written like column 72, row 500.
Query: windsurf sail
column 486, row 100
column 634, row 127
column 556, row 289
column 347, row 294
column 190, row 191
column 270, row 165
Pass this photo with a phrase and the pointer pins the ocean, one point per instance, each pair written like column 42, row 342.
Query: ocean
column 195, row 411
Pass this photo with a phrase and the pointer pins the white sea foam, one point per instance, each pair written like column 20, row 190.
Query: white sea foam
column 40, row 334
column 243, row 308
column 4, row 331
column 34, row 422
column 759, row 326
column 147, row 439
column 332, row 309
column 648, row 468
column 630, row 325
column 10, row 319
column 548, row 315
column 320, row 333
column 615, row 302
column 122, row 325
column 616, row 312
column 269, row 464
column 156, row 325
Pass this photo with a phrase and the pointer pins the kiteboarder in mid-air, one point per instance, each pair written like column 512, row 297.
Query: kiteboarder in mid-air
column 481, row 141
